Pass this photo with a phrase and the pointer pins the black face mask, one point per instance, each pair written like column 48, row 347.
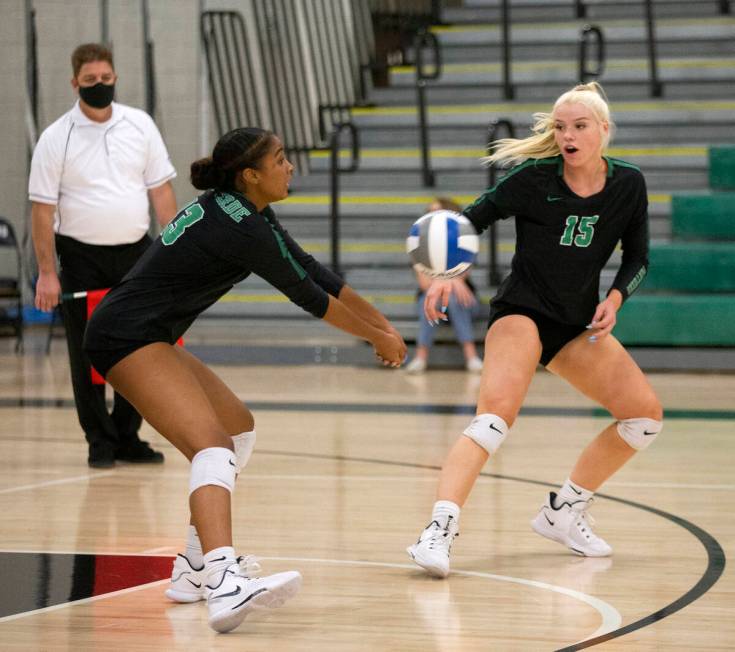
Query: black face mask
column 98, row 96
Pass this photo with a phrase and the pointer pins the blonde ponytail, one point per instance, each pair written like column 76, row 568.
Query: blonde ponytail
column 512, row 151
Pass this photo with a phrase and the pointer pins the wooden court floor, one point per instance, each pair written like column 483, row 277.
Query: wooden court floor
column 342, row 480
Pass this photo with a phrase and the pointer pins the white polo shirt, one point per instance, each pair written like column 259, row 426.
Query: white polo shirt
column 98, row 174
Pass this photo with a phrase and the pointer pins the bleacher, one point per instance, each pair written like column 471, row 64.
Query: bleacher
column 676, row 139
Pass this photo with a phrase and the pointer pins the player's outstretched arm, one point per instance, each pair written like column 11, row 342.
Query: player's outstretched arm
column 365, row 310
column 389, row 346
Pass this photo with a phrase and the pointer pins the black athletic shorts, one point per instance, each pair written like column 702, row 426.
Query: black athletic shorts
column 554, row 335
column 105, row 359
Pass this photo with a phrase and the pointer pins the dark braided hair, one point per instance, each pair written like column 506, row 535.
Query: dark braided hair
column 238, row 149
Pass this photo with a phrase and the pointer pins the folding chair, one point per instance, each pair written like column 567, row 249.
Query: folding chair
column 11, row 294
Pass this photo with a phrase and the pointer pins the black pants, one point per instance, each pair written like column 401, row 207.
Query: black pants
column 95, row 267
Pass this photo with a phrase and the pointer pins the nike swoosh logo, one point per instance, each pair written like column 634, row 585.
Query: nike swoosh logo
column 579, row 493
column 199, row 586
column 548, row 519
column 231, row 463
column 553, row 198
column 492, row 427
column 227, row 595
column 645, row 432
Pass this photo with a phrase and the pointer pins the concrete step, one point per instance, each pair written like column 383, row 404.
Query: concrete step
column 650, row 113
column 473, row 178
column 533, row 11
column 475, row 133
column 665, row 157
column 568, row 49
column 567, row 31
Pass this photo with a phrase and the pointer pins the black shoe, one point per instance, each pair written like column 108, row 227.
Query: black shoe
column 138, row 452
column 101, row 456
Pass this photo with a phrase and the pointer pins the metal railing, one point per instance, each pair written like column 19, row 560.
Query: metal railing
column 334, row 171
column 493, row 131
column 149, row 66
column 295, row 68
column 654, row 83
column 424, row 38
column 508, row 90
column 588, row 32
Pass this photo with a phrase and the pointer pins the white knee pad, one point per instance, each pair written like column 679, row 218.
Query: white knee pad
column 488, row 431
column 244, row 444
column 639, row 433
column 214, row 466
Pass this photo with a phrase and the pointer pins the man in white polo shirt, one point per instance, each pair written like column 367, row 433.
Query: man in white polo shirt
column 92, row 175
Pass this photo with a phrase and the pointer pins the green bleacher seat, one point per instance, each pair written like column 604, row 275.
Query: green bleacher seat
column 722, row 167
column 692, row 266
column 677, row 320
column 703, row 216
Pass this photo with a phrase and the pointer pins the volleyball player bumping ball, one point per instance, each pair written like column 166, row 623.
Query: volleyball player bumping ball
column 217, row 240
column 572, row 205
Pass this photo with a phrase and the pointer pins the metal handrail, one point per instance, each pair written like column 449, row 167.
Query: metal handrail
column 149, row 68
column 655, row 84
column 584, row 40
column 334, row 171
column 494, row 127
column 423, row 39
column 508, row 90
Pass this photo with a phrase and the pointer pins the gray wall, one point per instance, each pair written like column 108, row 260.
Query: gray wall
column 64, row 24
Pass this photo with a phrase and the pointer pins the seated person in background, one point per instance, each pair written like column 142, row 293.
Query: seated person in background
column 463, row 306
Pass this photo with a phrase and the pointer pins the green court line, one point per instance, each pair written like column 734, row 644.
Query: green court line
column 399, row 408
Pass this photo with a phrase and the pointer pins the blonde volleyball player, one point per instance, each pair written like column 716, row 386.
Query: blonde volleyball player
column 572, row 205
column 217, row 240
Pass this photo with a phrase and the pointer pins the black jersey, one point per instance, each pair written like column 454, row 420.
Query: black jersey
column 562, row 240
column 216, row 241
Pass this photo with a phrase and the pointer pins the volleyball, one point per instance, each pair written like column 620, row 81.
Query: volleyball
column 442, row 244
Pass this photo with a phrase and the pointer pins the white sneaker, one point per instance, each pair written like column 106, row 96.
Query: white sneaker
column 187, row 582
column 431, row 551
column 416, row 366
column 474, row 365
column 571, row 526
column 236, row 596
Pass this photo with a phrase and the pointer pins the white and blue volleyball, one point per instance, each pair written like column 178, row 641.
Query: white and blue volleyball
column 442, row 244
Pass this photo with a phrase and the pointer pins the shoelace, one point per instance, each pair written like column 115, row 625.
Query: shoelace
column 584, row 519
column 437, row 534
column 249, row 565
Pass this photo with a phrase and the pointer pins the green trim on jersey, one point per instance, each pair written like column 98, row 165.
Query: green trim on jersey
column 301, row 273
column 619, row 163
column 637, row 279
column 522, row 166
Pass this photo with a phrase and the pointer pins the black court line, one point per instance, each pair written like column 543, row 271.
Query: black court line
column 715, row 554
column 396, row 408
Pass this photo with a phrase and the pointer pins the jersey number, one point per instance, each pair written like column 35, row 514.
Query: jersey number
column 584, row 226
column 190, row 215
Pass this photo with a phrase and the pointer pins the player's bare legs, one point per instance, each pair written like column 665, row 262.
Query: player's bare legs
column 512, row 352
column 605, row 372
column 164, row 386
